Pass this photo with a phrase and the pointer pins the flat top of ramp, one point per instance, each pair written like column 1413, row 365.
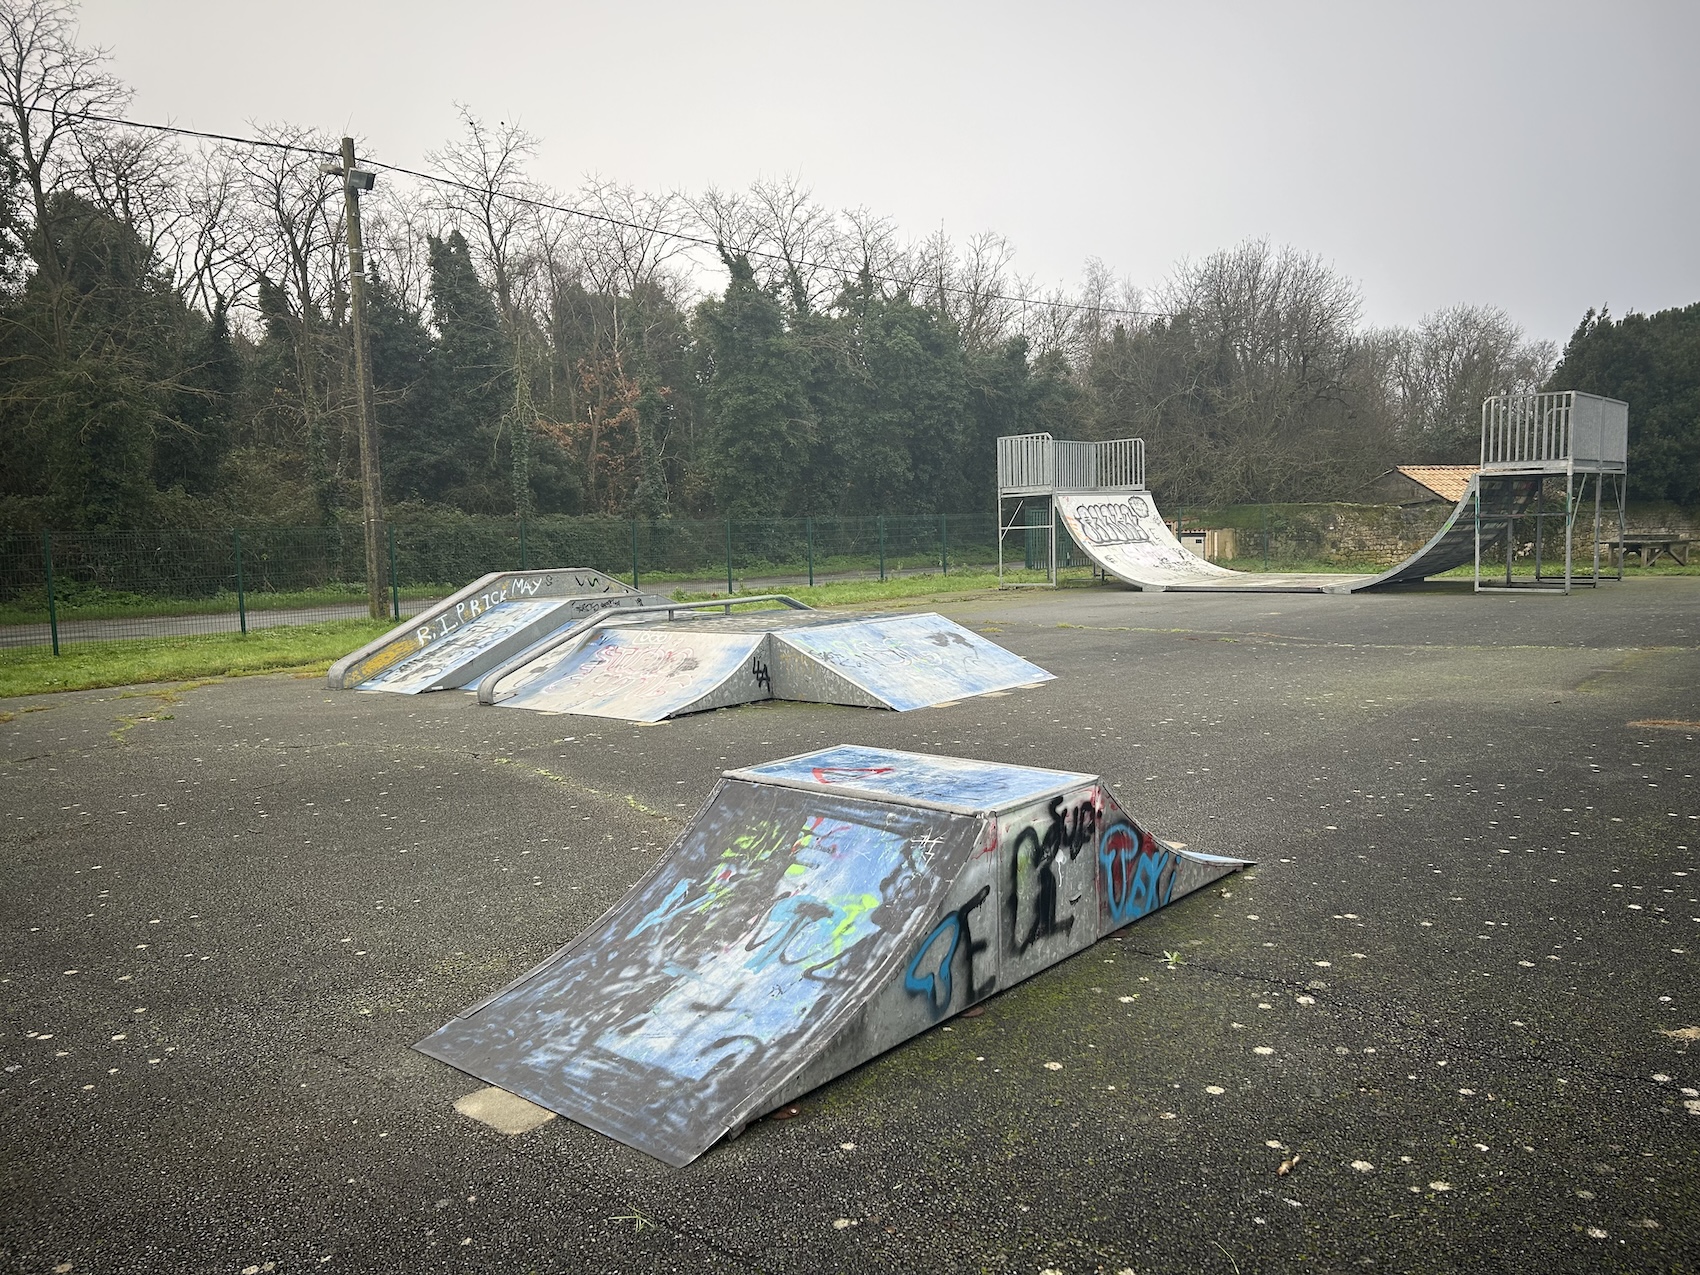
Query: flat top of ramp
column 955, row 784
column 718, row 977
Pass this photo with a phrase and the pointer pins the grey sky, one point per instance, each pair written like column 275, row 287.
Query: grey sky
column 1540, row 157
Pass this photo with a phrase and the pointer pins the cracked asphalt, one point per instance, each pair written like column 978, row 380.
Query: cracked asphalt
column 1455, row 1000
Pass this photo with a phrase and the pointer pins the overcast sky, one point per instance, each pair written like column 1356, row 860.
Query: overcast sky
column 1539, row 157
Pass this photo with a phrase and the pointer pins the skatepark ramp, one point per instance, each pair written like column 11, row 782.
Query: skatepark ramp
column 816, row 912
column 1098, row 492
column 457, row 641
column 1124, row 536
column 662, row 661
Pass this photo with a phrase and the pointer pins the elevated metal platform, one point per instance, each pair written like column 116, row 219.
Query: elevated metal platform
column 1533, row 438
column 816, row 912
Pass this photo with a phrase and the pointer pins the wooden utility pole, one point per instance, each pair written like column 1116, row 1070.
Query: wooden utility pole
column 371, row 481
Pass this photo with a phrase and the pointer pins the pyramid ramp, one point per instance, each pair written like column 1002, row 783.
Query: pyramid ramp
column 648, row 669
column 900, row 662
column 816, row 912
column 458, row 640
column 1124, row 536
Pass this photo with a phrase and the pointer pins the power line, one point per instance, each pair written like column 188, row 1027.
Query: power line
column 546, row 205
column 181, row 132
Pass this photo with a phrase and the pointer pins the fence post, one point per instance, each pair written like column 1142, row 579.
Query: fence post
column 944, row 543
column 880, row 519
column 1266, row 537
column 634, row 552
column 809, row 537
column 52, row 607
column 395, row 587
column 522, row 544
column 728, row 555
column 241, row 594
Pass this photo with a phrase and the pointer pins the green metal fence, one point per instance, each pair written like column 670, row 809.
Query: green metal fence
column 61, row 587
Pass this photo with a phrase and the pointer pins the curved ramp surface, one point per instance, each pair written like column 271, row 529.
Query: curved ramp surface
column 645, row 674
column 817, row 911
column 458, row 640
column 1124, row 536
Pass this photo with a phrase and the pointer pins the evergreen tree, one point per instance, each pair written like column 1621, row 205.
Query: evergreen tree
column 188, row 455
column 760, row 429
column 458, row 456
column 1652, row 362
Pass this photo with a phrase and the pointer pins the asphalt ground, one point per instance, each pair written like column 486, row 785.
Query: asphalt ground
column 1456, row 997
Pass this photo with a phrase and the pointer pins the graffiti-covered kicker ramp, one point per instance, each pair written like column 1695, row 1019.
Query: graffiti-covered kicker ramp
column 772, row 919
column 816, row 912
column 646, row 673
column 901, row 661
column 455, row 657
column 492, row 639
column 1124, row 535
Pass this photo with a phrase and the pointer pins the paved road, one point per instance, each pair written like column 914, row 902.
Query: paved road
column 80, row 631
column 1460, row 988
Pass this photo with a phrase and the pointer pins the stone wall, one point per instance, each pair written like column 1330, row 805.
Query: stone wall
column 1369, row 535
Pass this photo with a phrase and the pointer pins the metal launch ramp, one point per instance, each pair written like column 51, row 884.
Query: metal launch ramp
column 816, row 912
column 664, row 661
column 457, row 641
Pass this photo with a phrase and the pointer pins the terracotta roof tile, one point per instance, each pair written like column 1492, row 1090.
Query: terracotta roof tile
column 1446, row 481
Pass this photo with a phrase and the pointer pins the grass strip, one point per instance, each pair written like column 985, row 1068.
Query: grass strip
column 897, row 588
column 305, row 648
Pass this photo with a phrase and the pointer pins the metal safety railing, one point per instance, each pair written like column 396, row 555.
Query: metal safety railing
column 1027, row 462
column 1036, row 463
column 1522, row 429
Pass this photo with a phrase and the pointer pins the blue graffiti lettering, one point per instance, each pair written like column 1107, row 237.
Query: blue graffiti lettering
column 1137, row 880
column 937, row 987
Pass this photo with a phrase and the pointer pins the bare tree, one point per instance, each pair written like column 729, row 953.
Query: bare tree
column 1443, row 369
column 48, row 88
column 296, row 226
column 632, row 240
column 215, row 243
column 974, row 288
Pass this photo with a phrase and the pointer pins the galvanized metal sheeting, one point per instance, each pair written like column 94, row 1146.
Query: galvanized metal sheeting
column 477, row 629
column 1124, row 535
column 801, row 925
column 664, row 667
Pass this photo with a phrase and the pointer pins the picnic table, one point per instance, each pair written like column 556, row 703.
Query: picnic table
column 1650, row 548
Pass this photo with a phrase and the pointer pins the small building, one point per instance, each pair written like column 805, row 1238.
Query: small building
column 1213, row 544
column 1419, row 485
